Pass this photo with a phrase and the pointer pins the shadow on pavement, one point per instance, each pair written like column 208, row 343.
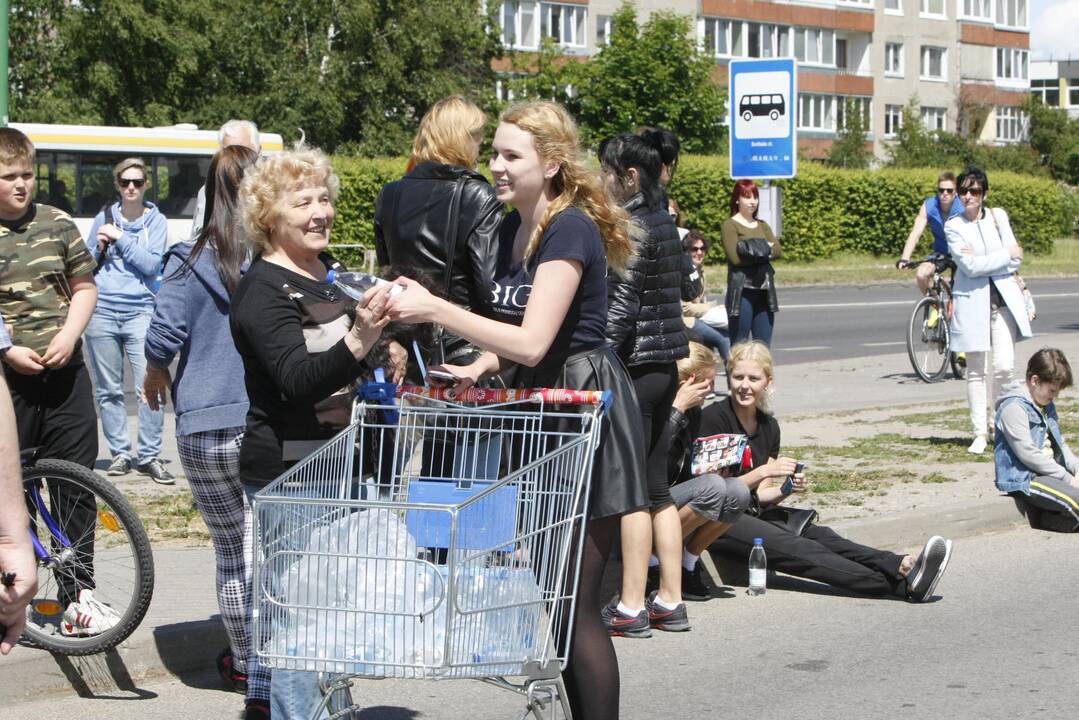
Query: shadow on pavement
column 387, row 712
column 188, row 651
column 101, row 677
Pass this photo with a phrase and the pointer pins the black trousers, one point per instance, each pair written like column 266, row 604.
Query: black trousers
column 656, row 385
column 820, row 554
column 55, row 411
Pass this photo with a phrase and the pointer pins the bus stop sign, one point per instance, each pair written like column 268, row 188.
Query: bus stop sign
column 763, row 103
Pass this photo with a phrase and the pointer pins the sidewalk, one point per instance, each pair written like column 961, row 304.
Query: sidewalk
column 181, row 634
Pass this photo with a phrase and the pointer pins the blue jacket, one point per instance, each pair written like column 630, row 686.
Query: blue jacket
column 192, row 319
column 131, row 271
column 1012, row 474
column 936, row 221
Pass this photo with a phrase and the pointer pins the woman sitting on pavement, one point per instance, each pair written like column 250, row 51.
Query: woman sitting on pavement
column 191, row 320
column 707, row 504
column 706, row 319
column 794, row 543
column 1033, row 461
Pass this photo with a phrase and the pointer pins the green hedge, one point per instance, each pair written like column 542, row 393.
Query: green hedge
column 825, row 210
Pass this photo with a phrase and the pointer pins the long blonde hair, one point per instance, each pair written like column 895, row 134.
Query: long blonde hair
column 555, row 136
column 757, row 352
column 445, row 134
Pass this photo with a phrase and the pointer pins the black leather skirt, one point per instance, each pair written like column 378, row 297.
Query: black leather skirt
column 618, row 478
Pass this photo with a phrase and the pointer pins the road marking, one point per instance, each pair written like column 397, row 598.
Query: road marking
column 885, row 303
column 804, row 349
column 885, row 344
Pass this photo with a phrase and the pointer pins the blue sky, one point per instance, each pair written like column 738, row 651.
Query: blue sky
column 1053, row 29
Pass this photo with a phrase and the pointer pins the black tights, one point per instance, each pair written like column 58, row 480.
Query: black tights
column 591, row 677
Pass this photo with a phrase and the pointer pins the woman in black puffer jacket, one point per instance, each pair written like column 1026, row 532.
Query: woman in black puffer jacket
column 645, row 327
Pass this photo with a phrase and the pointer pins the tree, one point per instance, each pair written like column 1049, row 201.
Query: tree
column 849, row 149
column 1055, row 137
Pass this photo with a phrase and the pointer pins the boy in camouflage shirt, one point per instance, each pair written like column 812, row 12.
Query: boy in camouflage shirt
column 47, row 295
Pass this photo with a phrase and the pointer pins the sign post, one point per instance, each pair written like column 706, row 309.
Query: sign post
column 763, row 102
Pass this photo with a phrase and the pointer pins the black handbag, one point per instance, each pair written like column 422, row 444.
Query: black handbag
column 795, row 520
column 754, row 251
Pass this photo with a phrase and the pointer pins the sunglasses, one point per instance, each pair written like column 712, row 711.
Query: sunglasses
column 943, row 191
column 975, row 191
column 697, row 248
column 137, row 182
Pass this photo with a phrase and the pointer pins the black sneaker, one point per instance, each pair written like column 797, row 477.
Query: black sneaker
column 652, row 584
column 257, row 710
column 621, row 625
column 120, row 465
column 156, row 471
column 693, row 587
column 660, row 618
column 928, row 569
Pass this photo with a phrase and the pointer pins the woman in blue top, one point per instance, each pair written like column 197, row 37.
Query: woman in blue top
column 549, row 301
column 192, row 320
column 128, row 241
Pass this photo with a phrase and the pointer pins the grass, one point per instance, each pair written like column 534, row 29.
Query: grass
column 936, row 477
column 170, row 517
column 863, row 268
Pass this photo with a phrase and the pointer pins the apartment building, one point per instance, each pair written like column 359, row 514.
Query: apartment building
column 1056, row 83
column 966, row 61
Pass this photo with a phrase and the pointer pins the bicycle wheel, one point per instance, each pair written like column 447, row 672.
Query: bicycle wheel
column 927, row 339
column 86, row 536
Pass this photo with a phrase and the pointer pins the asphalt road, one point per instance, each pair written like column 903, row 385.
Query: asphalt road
column 831, row 323
column 996, row 642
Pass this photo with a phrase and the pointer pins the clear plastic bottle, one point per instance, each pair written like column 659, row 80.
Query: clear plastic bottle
column 758, row 568
column 355, row 284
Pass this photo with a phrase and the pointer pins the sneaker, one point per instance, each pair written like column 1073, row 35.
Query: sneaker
column 693, row 587
column 621, row 625
column 929, row 568
column 155, row 469
column 978, row 446
column 257, row 710
column 934, row 317
column 87, row 616
column 233, row 678
column 120, row 465
column 652, row 584
column 660, row 618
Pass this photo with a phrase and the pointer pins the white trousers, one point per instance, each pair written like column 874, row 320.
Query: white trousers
column 983, row 386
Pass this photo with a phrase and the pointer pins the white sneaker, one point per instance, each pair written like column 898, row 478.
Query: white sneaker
column 978, row 446
column 87, row 616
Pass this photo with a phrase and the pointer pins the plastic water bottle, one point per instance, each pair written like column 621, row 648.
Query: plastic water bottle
column 758, row 568
column 355, row 284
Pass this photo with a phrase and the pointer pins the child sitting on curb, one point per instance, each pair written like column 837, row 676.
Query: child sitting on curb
column 1033, row 462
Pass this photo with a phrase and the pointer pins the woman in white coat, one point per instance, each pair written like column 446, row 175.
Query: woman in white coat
column 989, row 307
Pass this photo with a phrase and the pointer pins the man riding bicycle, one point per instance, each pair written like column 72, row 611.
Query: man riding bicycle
column 935, row 211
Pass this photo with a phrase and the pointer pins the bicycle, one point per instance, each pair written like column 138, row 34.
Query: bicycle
column 112, row 556
column 928, row 336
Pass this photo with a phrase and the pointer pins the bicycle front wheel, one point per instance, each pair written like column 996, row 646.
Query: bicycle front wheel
column 87, row 537
column 928, row 339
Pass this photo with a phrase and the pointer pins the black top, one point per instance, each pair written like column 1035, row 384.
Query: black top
column 289, row 331
column 720, row 417
column 572, row 235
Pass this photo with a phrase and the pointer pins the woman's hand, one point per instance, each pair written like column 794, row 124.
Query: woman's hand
column 691, row 393
column 155, row 388
column 467, row 376
column 413, row 305
column 1016, row 252
column 800, row 483
column 780, row 467
column 370, row 318
column 110, row 232
column 17, row 557
column 398, row 361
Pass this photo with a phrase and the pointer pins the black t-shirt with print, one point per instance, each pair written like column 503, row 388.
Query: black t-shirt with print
column 719, row 417
column 572, row 235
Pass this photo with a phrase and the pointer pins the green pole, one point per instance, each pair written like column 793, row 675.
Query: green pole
column 3, row 62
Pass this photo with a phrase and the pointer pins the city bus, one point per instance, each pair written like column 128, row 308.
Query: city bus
column 75, row 163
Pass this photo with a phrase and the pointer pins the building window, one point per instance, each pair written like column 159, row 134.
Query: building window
column 519, row 24
column 1011, row 124
column 933, row 63
column 1073, row 93
column 934, row 118
column 1012, row 13
column 815, row 112
column 814, row 45
column 893, row 7
column 981, row 9
column 1048, row 91
column 857, row 104
column 1011, row 64
column 603, row 29
column 717, row 37
column 565, row 24
column 932, row 8
column 893, row 59
column 893, row 119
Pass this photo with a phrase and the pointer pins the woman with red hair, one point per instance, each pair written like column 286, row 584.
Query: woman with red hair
column 750, row 246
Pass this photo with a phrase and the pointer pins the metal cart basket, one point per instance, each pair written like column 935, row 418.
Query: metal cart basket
column 433, row 540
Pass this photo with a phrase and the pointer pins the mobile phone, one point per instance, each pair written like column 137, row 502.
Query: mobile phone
column 788, row 485
column 443, row 376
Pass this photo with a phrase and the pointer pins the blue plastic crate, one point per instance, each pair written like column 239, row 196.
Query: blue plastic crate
column 489, row 524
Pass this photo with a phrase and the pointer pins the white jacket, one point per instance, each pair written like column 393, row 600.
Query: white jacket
column 990, row 241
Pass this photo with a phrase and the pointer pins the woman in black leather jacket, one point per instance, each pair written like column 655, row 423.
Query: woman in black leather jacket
column 645, row 327
column 442, row 217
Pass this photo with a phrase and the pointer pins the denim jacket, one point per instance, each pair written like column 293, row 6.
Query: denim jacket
column 1011, row 474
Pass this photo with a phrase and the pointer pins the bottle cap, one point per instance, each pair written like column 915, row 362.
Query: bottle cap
column 331, row 275
column 758, row 541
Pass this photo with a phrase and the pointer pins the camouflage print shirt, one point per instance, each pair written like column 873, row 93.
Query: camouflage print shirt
column 38, row 253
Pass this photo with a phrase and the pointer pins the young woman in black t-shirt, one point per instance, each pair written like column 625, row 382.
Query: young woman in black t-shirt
column 549, row 301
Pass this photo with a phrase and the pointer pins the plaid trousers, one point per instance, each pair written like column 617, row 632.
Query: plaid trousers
column 211, row 460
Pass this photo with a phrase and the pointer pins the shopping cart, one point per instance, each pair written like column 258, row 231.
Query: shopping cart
column 431, row 539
